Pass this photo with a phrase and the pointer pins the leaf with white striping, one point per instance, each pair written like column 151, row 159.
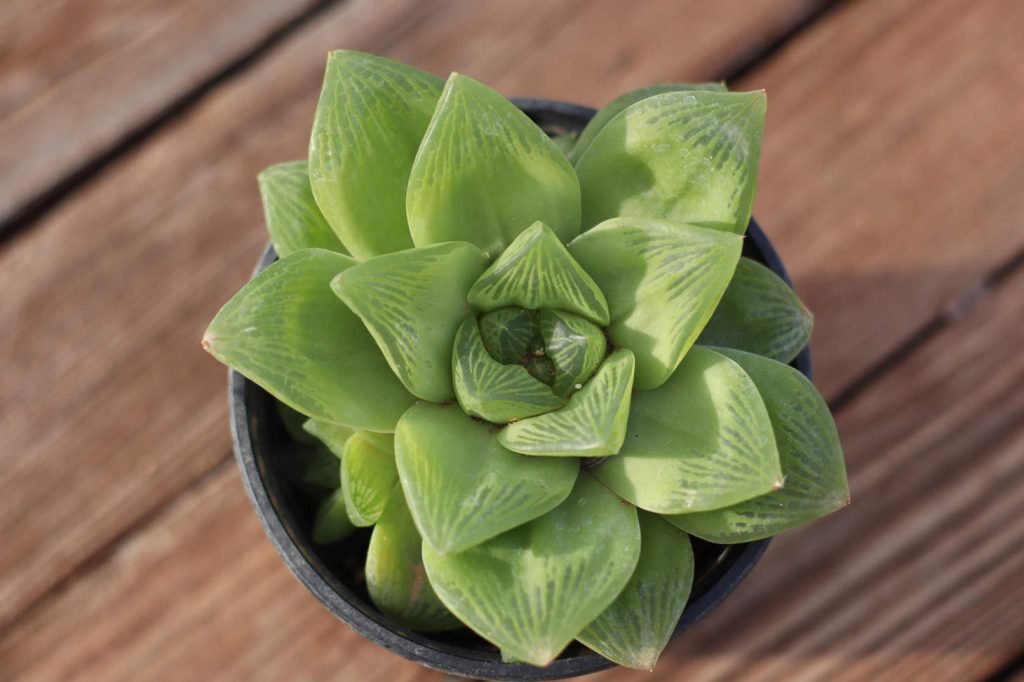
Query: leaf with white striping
column 412, row 302
column 811, row 455
column 293, row 218
column 288, row 333
column 622, row 102
column 530, row 591
column 395, row 577
column 634, row 630
column 688, row 157
column 703, row 440
column 507, row 333
column 575, row 346
column 332, row 523
column 462, row 486
column 593, row 424
column 372, row 114
column 368, row 476
column 662, row 281
column 490, row 390
column 485, row 172
column 536, row 271
column 333, row 436
column 759, row 313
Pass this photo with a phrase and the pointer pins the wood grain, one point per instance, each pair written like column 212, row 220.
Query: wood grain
column 108, row 408
column 77, row 75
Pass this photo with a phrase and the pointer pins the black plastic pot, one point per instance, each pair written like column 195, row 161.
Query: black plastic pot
column 334, row 574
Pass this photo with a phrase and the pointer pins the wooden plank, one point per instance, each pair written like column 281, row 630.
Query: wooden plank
column 77, row 75
column 108, row 408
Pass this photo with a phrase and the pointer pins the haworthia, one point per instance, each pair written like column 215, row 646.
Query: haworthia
column 294, row 220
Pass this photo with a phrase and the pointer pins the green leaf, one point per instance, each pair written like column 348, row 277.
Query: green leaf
column 701, row 441
column 331, row 523
column 368, row 476
column 485, row 172
column 532, row 590
column 688, row 157
column 385, row 442
column 634, row 630
column 617, row 105
column 413, row 302
column 575, row 346
column 536, row 271
column 395, row 577
column 462, row 486
column 812, row 461
column 761, row 314
column 294, row 422
column 493, row 391
column 372, row 114
column 293, row 219
column 507, row 333
column 593, row 424
column 288, row 333
column 662, row 281
column 334, row 436
column 312, row 468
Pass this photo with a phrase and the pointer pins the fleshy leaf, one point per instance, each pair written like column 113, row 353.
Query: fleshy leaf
column 385, row 442
column 485, row 172
column 493, row 391
column 368, row 125
column 368, row 476
column 462, row 486
column 413, row 302
column 507, row 333
column 575, row 347
column 621, row 102
column 294, row 424
column 662, row 281
column 812, row 461
column 688, row 157
column 702, row 440
column 331, row 523
column 395, row 577
column 312, row 468
column 293, row 218
column 532, row 590
column 593, row 424
column 759, row 313
column 634, row 630
column 536, row 271
column 333, row 436
column 288, row 333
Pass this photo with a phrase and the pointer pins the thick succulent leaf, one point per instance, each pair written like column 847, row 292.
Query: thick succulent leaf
column 485, row 172
column 634, row 630
column 812, row 461
column 493, row 391
column 288, row 333
column 575, row 347
column 593, row 424
column 617, row 105
column 311, row 467
column 294, row 424
column 507, row 333
column 385, row 442
column 662, row 281
column 536, row 271
column 334, row 436
column 395, row 577
column 368, row 125
column 368, row 476
column 688, row 157
column 462, row 486
column 293, row 219
column 331, row 523
column 532, row 590
column 413, row 302
column 701, row 441
column 759, row 313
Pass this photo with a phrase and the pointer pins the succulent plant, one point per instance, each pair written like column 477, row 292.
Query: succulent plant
column 534, row 373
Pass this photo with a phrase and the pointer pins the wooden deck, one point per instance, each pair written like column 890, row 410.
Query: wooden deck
column 892, row 183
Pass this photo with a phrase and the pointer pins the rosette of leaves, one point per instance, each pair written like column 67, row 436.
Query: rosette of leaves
column 533, row 374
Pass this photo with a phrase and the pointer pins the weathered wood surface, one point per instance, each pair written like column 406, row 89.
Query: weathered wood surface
column 78, row 75
column 890, row 183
